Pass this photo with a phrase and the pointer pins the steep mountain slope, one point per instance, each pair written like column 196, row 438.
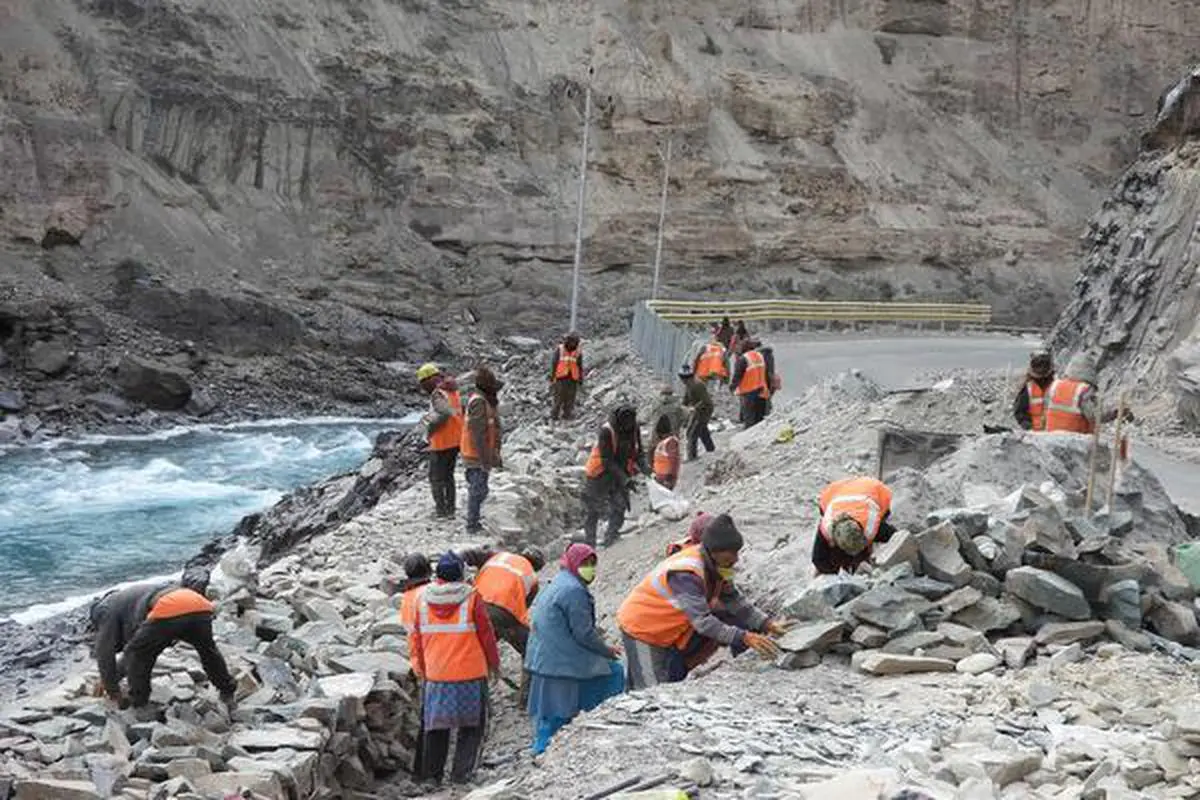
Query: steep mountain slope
column 330, row 177
column 1136, row 302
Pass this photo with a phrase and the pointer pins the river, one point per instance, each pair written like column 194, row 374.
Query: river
column 78, row 516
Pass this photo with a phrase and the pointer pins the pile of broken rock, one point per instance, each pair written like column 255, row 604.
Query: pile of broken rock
column 979, row 589
column 326, row 703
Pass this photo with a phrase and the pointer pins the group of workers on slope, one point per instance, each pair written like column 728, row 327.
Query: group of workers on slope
column 1067, row 403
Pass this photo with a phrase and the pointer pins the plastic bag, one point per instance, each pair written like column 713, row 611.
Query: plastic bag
column 666, row 503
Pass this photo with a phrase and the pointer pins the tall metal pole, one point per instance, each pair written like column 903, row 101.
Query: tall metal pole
column 583, row 161
column 662, row 219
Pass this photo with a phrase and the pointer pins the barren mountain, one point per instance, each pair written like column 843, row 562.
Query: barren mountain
column 290, row 193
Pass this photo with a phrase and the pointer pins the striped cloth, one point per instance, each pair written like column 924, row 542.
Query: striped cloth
column 458, row 704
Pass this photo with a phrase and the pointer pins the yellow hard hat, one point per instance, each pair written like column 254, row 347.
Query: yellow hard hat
column 427, row 371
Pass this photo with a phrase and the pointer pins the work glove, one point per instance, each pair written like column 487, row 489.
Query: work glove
column 762, row 644
column 778, row 627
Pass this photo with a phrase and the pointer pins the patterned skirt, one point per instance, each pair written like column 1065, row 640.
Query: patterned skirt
column 460, row 704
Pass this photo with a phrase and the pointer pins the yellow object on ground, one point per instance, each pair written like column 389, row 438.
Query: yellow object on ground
column 785, row 435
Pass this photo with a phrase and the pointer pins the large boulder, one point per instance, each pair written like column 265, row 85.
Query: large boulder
column 50, row 357
column 1048, row 591
column 155, row 385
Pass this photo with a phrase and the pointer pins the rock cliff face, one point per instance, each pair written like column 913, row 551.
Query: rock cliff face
column 322, row 180
column 1136, row 302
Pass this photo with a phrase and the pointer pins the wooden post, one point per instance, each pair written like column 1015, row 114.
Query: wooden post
column 1091, row 484
column 1115, row 455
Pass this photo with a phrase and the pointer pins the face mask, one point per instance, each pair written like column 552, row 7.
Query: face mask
column 587, row 574
column 727, row 573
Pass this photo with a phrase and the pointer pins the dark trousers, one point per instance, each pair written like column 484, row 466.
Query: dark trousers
column 565, row 392
column 441, row 480
column 468, row 743
column 601, row 497
column 698, row 432
column 154, row 636
column 509, row 629
column 754, row 410
column 477, row 492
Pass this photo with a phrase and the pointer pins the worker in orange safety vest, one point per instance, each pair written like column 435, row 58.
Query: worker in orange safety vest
column 454, row 653
column 1029, row 406
column 615, row 459
column 566, row 376
column 753, row 382
column 712, row 363
column 666, row 453
column 854, row 517
column 443, row 427
column 1071, row 402
column 508, row 584
column 687, row 607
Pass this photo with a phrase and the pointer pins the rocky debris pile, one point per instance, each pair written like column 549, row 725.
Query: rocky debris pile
column 327, row 702
column 1137, row 293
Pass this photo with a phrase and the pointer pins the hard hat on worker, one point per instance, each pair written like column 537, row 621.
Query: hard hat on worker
column 427, row 371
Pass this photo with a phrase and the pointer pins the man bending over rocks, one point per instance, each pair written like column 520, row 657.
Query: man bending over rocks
column 141, row 622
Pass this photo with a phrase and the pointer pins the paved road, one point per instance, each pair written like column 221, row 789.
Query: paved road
column 892, row 361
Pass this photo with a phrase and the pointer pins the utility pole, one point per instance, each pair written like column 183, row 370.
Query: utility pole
column 662, row 219
column 583, row 162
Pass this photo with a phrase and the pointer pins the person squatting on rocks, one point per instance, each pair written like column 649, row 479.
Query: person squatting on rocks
column 141, row 622
column 854, row 516
column 571, row 667
column 687, row 607
column 698, row 405
column 666, row 454
column 1029, row 406
column 508, row 584
column 694, row 532
column 453, row 651
column 481, row 443
column 615, row 459
column 444, row 430
column 667, row 406
column 566, row 376
column 753, row 377
column 712, row 362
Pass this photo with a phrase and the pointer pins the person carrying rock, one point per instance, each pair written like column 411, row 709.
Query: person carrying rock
column 666, row 454
column 566, row 376
column 1029, row 406
column 698, row 405
column 667, row 406
column 444, row 429
column 572, row 668
column 687, row 607
column 615, row 459
column 854, row 517
column 481, row 443
column 454, row 654
column 753, row 377
column 141, row 622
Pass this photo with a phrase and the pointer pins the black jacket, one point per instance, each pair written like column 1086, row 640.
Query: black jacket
column 1021, row 401
column 115, row 618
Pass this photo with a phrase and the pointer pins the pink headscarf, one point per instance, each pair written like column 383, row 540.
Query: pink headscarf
column 696, row 529
column 575, row 555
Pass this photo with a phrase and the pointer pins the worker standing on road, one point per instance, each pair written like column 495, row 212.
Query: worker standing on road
column 698, row 405
column 444, row 429
column 854, row 516
column 753, row 377
column 1029, row 406
column 566, row 376
column 454, row 653
column 141, row 622
column 615, row 459
column 666, row 454
column 572, row 668
column 687, row 607
column 481, row 443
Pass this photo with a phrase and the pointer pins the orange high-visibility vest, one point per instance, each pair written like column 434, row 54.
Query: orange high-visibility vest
column 467, row 448
column 865, row 499
column 177, row 603
column 1037, row 406
column 666, row 458
column 450, row 643
column 448, row 436
column 568, row 364
column 650, row 614
column 408, row 606
column 1064, row 406
column 506, row 581
column 712, row 362
column 754, row 379
column 595, row 463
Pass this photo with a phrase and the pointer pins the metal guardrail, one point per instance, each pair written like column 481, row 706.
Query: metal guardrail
column 662, row 337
